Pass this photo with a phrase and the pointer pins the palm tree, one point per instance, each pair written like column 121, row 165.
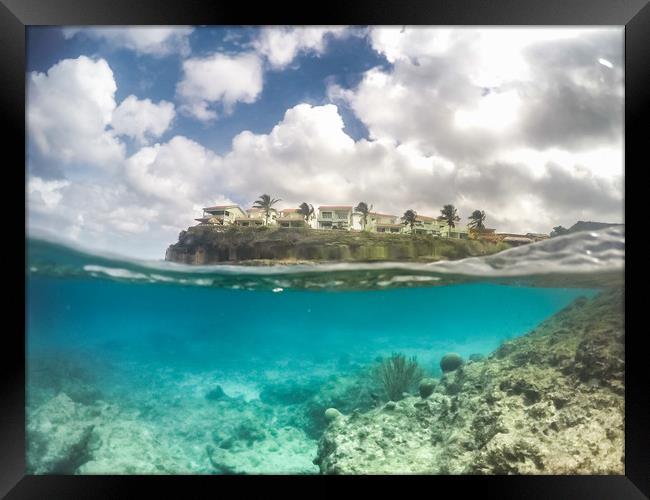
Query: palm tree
column 450, row 216
column 307, row 211
column 362, row 208
column 477, row 219
column 265, row 203
column 409, row 219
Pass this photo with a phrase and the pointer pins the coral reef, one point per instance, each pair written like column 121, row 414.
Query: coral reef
column 549, row 402
column 61, row 438
column 427, row 385
column 398, row 375
column 451, row 362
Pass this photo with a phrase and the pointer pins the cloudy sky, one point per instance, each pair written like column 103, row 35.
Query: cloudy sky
column 132, row 130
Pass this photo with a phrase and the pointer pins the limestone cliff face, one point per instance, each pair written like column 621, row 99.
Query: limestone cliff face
column 550, row 402
column 208, row 245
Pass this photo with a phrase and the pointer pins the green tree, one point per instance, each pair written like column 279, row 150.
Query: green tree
column 363, row 209
column 449, row 214
column 307, row 211
column 398, row 375
column 559, row 231
column 409, row 218
column 477, row 220
column 265, row 202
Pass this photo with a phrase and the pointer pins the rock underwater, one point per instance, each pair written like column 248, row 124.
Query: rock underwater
column 549, row 402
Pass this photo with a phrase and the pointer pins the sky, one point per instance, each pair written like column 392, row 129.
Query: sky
column 132, row 130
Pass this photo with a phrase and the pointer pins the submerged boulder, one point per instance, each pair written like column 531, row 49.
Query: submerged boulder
column 427, row 385
column 451, row 362
column 332, row 414
column 60, row 437
column 216, row 394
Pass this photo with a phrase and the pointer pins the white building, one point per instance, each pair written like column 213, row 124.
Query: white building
column 221, row 215
column 341, row 217
column 291, row 218
column 335, row 217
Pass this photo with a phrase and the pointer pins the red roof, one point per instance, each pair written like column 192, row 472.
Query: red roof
column 336, row 206
column 290, row 210
column 381, row 215
column 424, row 217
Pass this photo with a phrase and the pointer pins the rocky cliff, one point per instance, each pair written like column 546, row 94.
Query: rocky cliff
column 550, row 402
column 211, row 245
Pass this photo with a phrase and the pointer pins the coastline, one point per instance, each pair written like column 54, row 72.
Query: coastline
column 201, row 245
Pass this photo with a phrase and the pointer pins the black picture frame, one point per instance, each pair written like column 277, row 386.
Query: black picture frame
column 16, row 15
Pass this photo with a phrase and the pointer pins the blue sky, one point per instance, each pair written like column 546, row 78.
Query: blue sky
column 132, row 130
column 305, row 80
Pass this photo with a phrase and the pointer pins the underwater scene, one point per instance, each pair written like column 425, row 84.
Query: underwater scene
column 506, row 364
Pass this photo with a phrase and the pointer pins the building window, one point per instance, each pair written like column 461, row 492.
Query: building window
column 326, row 215
column 341, row 215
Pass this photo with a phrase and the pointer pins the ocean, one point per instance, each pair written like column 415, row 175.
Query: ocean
column 156, row 368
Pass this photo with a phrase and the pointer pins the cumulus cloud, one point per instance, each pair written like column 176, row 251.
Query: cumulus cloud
column 535, row 141
column 470, row 94
column 69, row 109
column 72, row 116
column 308, row 156
column 281, row 45
column 219, row 79
column 150, row 40
column 177, row 173
column 142, row 119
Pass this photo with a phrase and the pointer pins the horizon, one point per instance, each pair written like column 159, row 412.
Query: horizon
column 131, row 131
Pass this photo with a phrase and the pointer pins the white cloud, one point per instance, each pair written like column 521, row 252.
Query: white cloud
column 68, row 110
column 48, row 193
column 308, row 156
column 73, row 117
column 219, row 78
column 222, row 80
column 281, row 45
column 178, row 173
column 142, row 119
column 152, row 40
column 543, row 147
column 471, row 94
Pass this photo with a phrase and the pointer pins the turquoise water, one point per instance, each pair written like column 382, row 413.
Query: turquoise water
column 196, row 328
column 161, row 370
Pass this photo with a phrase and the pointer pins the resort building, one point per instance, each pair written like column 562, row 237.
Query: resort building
column 255, row 217
column 221, row 215
column 384, row 223
column 485, row 234
column 291, row 217
column 250, row 221
column 458, row 232
column 335, row 217
column 341, row 217
column 425, row 225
